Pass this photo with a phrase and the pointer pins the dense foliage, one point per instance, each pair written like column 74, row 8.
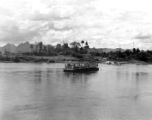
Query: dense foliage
column 80, row 50
column 75, row 49
column 134, row 54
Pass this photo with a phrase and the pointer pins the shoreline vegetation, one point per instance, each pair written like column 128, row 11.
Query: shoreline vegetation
column 75, row 51
column 62, row 59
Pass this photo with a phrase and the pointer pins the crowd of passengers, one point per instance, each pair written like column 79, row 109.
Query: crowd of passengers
column 81, row 65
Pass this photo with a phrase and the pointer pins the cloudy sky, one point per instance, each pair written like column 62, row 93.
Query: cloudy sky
column 103, row 23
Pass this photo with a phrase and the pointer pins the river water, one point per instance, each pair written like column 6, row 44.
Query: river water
column 45, row 92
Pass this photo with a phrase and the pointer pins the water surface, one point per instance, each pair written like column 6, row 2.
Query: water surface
column 45, row 92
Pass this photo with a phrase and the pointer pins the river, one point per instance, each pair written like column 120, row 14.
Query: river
column 31, row 91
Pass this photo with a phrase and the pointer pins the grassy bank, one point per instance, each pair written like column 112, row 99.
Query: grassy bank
column 56, row 59
column 38, row 59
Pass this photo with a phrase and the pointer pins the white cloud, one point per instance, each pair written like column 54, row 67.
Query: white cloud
column 101, row 23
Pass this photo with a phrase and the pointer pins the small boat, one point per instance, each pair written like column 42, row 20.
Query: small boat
column 81, row 67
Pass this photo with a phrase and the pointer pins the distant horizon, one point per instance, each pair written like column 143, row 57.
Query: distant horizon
column 69, row 43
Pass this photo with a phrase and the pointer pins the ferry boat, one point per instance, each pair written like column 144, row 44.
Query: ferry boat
column 81, row 67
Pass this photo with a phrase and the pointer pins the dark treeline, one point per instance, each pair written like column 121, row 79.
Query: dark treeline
column 74, row 49
column 78, row 50
column 81, row 50
column 134, row 54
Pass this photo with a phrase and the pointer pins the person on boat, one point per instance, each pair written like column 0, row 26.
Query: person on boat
column 69, row 66
column 77, row 65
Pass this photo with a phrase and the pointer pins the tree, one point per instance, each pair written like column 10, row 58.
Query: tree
column 58, row 47
column 45, row 50
column 134, row 50
column 51, row 50
column 128, row 52
column 75, row 46
column 65, row 46
column 40, row 44
column 82, row 42
column 86, row 45
column 36, row 48
column 143, row 56
column 31, row 46
column 137, row 50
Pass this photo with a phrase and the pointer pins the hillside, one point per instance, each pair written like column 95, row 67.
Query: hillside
column 26, row 47
column 21, row 48
column 9, row 47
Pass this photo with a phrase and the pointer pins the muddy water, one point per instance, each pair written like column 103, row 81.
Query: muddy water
column 45, row 92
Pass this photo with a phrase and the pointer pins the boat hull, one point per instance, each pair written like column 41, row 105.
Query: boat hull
column 81, row 70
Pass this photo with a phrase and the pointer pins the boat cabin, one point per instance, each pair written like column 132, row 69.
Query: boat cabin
column 81, row 66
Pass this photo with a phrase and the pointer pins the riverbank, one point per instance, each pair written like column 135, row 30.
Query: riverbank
column 37, row 59
column 56, row 59
column 127, row 62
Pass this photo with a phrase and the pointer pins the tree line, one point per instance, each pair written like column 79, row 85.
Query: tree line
column 76, row 49
column 80, row 49
column 129, row 54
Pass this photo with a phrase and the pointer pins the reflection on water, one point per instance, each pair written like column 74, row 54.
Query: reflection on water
column 45, row 92
column 78, row 77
